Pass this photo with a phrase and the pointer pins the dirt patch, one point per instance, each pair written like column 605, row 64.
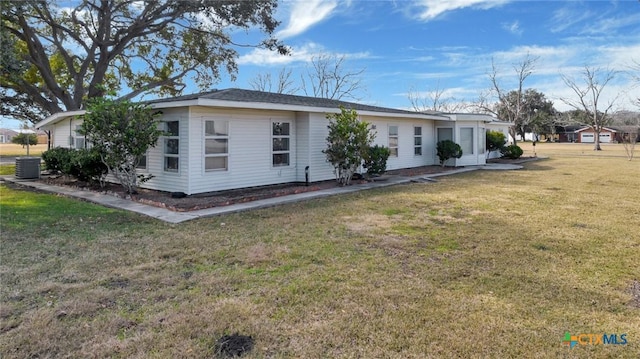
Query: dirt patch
column 234, row 345
column 222, row 198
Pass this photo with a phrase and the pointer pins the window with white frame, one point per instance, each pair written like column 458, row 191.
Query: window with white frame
column 466, row 140
column 216, row 145
column 393, row 141
column 79, row 141
column 482, row 140
column 417, row 141
column 281, row 143
column 172, row 146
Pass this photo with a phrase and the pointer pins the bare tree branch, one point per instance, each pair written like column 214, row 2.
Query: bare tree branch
column 588, row 93
column 328, row 78
column 509, row 105
column 434, row 100
column 284, row 84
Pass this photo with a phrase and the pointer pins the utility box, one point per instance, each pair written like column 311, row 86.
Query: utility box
column 27, row 167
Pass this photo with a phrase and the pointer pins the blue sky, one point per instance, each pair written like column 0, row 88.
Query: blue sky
column 449, row 45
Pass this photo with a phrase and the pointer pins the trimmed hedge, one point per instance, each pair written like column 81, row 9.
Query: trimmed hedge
column 83, row 164
column 376, row 160
column 512, row 151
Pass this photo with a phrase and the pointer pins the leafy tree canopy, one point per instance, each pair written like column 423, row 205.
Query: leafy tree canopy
column 121, row 132
column 54, row 57
column 25, row 139
column 536, row 111
column 348, row 143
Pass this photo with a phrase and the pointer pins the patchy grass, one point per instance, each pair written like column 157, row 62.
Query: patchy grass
column 11, row 149
column 7, row 169
column 483, row 264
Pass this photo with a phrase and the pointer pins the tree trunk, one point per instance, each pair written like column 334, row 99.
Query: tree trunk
column 512, row 133
column 596, row 142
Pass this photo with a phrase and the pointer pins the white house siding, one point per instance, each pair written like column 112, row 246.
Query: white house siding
column 319, row 168
column 250, row 155
column 406, row 155
column 302, row 145
column 63, row 131
column 163, row 180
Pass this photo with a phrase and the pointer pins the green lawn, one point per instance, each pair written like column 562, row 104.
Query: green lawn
column 8, row 169
column 479, row 265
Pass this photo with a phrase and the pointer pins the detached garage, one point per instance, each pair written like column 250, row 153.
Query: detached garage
column 588, row 135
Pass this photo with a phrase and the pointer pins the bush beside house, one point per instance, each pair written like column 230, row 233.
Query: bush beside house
column 446, row 150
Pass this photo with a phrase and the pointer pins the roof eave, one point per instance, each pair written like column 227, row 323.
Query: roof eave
column 286, row 107
column 57, row 117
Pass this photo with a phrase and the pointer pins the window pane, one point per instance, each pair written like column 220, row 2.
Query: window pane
column 417, row 141
column 173, row 128
column 393, row 141
column 280, row 159
column 171, row 164
column 143, row 162
column 214, row 146
column 393, row 152
column 417, row 151
column 215, row 163
column 281, row 128
column 482, row 139
column 417, row 131
column 393, row 130
column 216, row 128
column 281, row 144
column 172, row 146
column 79, row 142
column 466, row 140
column 445, row 134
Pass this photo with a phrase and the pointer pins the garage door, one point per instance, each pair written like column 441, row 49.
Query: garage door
column 605, row 137
column 587, row 137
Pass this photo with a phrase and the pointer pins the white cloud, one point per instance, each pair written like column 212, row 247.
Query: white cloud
column 435, row 8
column 304, row 14
column 608, row 25
column 568, row 17
column 513, row 27
column 304, row 53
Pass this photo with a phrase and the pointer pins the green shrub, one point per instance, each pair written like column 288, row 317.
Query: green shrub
column 448, row 149
column 512, row 151
column 55, row 158
column 86, row 165
column 495, row 141
column 375, row 160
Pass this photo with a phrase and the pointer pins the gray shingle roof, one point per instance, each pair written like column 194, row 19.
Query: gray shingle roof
column 251, row 96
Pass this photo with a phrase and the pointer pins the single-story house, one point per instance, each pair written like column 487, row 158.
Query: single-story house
column 568, row 133
column 234, row 138
column 588, row 135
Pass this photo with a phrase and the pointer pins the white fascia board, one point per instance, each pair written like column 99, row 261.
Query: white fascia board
column 57, row 117
column 284, row 107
